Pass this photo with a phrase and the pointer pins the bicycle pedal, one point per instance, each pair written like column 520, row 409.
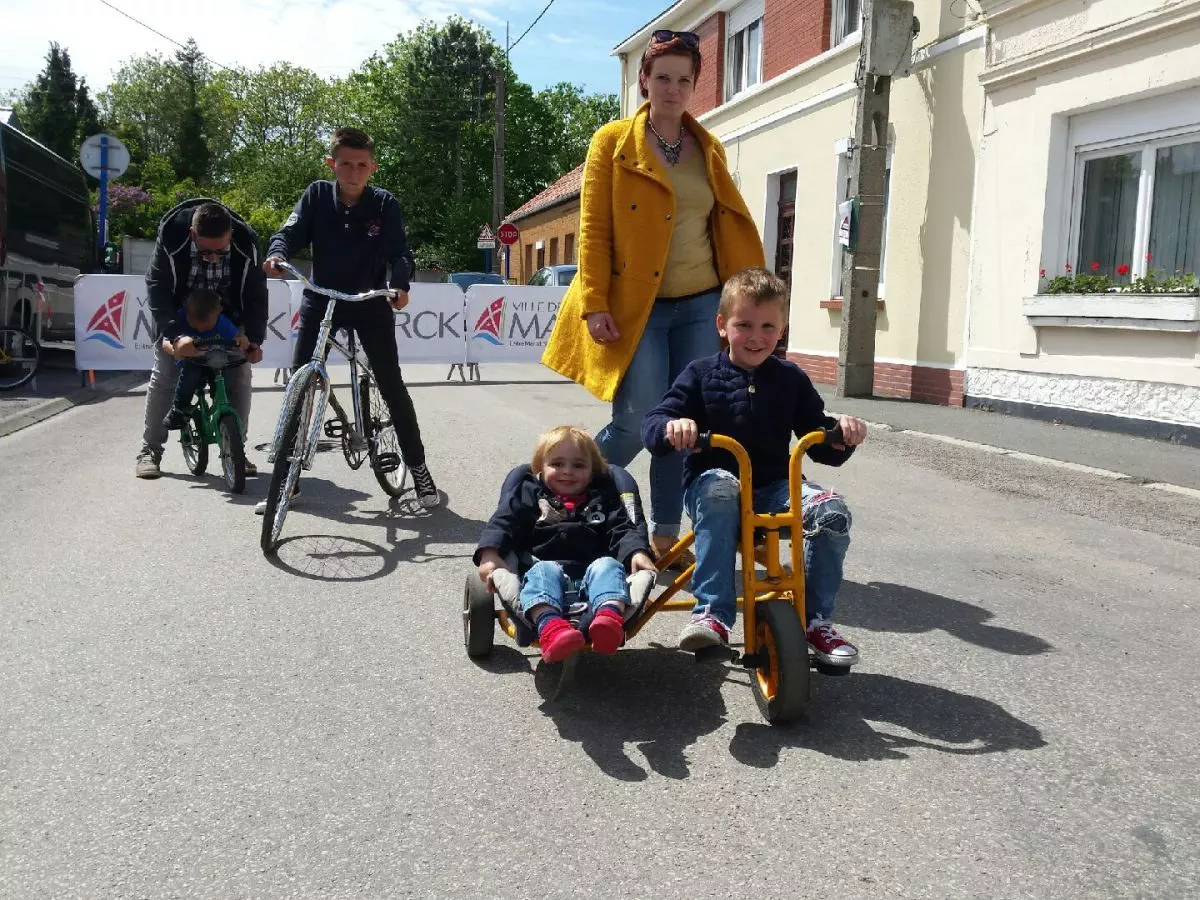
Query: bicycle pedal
column 334, row 429
column 387, row 462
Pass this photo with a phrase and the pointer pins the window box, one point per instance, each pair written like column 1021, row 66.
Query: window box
column 1152, row 312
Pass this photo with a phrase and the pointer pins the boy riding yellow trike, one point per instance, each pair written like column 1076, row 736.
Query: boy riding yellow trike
column 775, row 648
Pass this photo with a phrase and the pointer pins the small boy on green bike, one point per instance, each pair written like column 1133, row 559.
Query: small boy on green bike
column 201, row 319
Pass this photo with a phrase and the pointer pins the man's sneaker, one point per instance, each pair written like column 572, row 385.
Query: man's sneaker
column 427, row 491
column 703, row 631
column 147, row 464
column 829, row 646
column 174, row 420
column 251, row 469
column 260, row 508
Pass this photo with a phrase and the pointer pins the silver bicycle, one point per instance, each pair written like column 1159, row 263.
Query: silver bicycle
column 370, row 435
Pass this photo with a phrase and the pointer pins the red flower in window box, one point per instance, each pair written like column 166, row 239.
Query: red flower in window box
column 1067, row 267
column 1122, row 270
column 1095, row 266
column 1042, row 273
column 1149, row 257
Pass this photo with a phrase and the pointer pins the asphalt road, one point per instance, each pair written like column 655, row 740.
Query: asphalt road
column 183, row 718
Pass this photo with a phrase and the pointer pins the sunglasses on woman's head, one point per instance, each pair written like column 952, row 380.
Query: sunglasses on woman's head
column 665, row 36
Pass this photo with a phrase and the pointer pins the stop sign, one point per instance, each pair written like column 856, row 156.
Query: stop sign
column 509, row 233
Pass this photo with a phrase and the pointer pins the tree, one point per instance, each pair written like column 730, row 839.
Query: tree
column 191, row 156
column 56, row 108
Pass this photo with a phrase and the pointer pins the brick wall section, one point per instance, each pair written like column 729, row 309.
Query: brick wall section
column 794, row 31
column 712, row 70
column 556, row 222
column 922, row 383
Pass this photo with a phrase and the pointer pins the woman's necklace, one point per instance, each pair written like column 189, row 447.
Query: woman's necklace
column 670, row 151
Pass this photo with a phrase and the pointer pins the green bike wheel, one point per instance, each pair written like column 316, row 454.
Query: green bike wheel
column 195, row 446
column 233, row 453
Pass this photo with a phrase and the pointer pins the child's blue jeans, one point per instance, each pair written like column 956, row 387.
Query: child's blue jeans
column 547, row 583
column 712, row 503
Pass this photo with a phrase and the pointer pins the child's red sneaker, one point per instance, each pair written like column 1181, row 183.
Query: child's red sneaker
column 606, row 631
column 559, row 640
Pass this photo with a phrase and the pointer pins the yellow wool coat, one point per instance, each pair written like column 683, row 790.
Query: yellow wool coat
column 625, row 232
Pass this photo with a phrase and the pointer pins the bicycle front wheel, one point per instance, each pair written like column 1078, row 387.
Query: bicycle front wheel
column 289, row 458
column 233, row 454
column 387, row 462
column 20, row 357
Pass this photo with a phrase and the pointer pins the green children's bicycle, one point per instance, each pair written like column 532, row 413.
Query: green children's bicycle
column 212, row 419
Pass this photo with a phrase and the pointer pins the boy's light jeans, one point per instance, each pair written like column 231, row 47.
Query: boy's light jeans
column 547, row 583
column 712, row 503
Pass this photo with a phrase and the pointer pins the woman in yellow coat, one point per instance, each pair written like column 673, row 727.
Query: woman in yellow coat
column 662, row 227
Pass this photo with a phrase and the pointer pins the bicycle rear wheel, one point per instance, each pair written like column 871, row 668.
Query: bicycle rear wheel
column 20, row 357
column 387, row 462
column 195, row 444
column 289, row 459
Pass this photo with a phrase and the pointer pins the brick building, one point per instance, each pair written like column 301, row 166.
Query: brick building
column 777, row 88
column 549, row 225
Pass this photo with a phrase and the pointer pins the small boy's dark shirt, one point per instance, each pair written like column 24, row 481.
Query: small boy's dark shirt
column 355, row 248
column 531, row 522
column 760, row 408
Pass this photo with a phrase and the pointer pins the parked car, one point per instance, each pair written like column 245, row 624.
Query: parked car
column 47, row 233
column 556, row 275
column 465, row 279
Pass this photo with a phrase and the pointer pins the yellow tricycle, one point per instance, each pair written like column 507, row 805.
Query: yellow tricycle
column 775, row 649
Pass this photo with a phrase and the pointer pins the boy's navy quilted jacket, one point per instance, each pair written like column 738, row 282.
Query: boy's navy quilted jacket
column 761, row 409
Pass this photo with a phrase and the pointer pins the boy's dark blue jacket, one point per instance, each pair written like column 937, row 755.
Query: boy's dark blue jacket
column 530, row 521
column 355, row 248
column 761, row 409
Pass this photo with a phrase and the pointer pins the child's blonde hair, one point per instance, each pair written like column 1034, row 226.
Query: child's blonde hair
column 754, row 284
column 577, row 437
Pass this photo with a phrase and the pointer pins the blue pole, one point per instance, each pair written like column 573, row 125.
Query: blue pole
column 487, row 260
column 507, row 262
column 103, row 192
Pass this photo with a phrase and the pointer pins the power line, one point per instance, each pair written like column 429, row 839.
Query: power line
column 523, row 33
column 167, row 37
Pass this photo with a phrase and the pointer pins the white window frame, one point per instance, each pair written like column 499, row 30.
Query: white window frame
column 737, row 28
column 841, row 150
column 840, row 29
column 1148, row 124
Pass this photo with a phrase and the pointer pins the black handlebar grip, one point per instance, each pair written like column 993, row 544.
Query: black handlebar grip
column 834, row 435
column 704, row 440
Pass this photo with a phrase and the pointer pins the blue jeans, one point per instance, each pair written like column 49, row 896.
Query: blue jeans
column 547, row 583
column 712, row 503
column 676, row 334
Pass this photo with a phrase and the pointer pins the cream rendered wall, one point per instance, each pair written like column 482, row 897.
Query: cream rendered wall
column 797, row 120
column 1145, row 49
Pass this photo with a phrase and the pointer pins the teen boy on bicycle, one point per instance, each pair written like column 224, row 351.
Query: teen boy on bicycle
column 357, row 237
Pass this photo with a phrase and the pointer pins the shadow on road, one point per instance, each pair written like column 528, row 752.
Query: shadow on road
column 659, row 700
column 411, row 533
column 908, row 715
column 879, row 606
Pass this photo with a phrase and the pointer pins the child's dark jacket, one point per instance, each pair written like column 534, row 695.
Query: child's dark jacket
column 531, row 523
column 761, row 409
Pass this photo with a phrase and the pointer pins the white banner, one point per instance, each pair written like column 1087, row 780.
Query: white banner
column 114, row 328
column 510, row 323
column 490, row 323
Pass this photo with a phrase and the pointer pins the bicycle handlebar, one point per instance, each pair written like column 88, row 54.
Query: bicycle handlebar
column 704, row 439
column 329, row 292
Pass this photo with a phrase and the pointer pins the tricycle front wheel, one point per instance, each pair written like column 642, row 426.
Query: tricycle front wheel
column 781, row 678
column 479, row 618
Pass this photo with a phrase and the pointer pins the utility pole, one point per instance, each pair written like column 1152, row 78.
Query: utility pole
column 889, row 27
column 498, row 152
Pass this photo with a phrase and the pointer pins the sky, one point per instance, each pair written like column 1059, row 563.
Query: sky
column 572, row 42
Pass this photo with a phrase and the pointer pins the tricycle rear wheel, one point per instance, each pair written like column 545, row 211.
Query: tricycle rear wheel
column 781, row 679
column 479, row 618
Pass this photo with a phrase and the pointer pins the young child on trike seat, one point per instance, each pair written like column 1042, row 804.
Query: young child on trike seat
column 760, row 401
column 202, row 320
column 566, row 527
